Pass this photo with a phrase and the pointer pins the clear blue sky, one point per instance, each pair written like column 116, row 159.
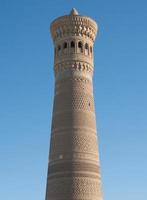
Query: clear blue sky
column 26, row 94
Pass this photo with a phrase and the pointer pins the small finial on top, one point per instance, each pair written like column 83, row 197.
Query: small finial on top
column 74, row 12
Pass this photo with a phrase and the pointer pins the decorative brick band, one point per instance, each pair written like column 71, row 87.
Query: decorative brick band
column 73, row 167
column 74, row 188
column 78, row 101
column 75, row 74
column 73, row 85
column 76, row 66
column 75, row 25
column 74, row 174
column 75, row 142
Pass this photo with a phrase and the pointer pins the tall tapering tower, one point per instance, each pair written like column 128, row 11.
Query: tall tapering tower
column 73, row 169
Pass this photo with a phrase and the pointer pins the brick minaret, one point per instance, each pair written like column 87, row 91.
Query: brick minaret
column 73, row 169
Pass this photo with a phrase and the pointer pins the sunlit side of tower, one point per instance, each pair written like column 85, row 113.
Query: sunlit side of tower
column 73, row 169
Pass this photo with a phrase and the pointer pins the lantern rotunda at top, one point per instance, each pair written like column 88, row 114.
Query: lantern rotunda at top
column 73, row 25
